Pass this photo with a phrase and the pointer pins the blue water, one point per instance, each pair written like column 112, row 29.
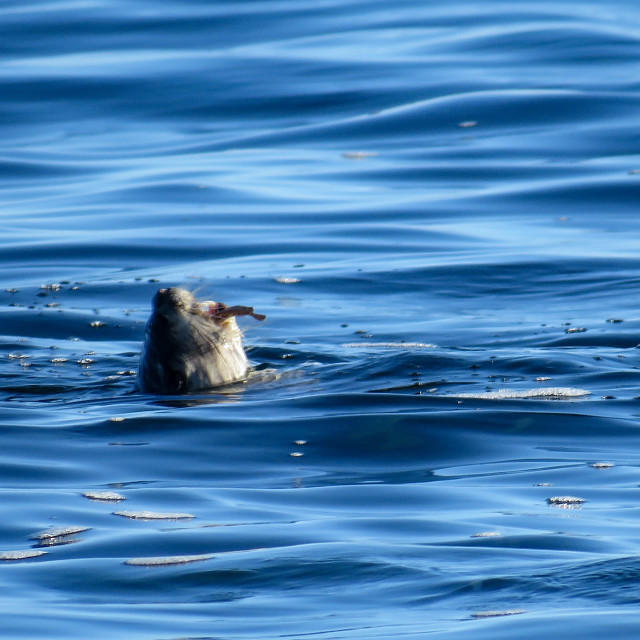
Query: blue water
column 436, row 206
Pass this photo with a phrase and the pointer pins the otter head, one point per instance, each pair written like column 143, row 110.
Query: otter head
column 174, row 302
column 191, row 345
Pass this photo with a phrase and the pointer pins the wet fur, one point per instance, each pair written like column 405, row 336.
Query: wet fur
column 186, row 351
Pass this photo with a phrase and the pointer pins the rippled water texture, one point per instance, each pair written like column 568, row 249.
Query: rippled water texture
column 435, row 205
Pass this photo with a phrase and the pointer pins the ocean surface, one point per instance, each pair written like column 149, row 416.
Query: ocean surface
column 436, row 206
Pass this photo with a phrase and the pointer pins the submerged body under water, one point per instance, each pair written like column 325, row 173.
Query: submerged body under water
column 435, row 209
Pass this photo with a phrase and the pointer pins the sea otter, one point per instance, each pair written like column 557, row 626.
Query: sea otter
column 191, row 345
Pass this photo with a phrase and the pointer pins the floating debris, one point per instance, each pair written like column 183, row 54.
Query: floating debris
column 615, row 320
column 164, row 561
column 479, row 615
column 575, row 330
column 296, row 454
column 27, row 554
column 58, row 532
column 487, row 534
column 388, row 345
column 153, row 515
column 287, row 280
column 85, row 362
column 603, row 465
column 59, row 360
column 57, row 536
column 543, row 379
column 566, row 502
column 117, row 419
column 97, row 323
column 104, row 496
column 511, row 394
